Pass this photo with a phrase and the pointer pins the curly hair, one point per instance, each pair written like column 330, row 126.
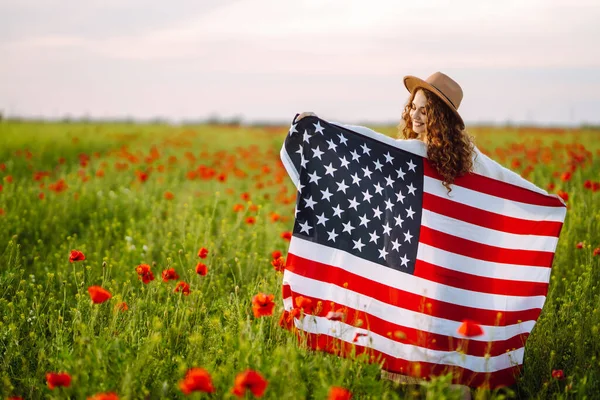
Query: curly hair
column 449, row 148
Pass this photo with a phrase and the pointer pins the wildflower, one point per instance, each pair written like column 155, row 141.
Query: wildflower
column 587, row 184
column 250, row 220
column 76, row 255
column 250, row 380
column 565, row 177
column 104, row 396
column 287, row 235
column 196, row 380
column 245, row 196
column 201, row 269
column 169, row 274
column 278, row 264
column 469, row 328
column 169, row 196
column 564, row 195
column 304, row 303
column 339, row 393
column 262, row 305
column 558, row 374
column 183, row 288
column 58, row 186
column 551, row 186
column 238, row 207
column 338, row 315
column 596, row 251
column 579, row 245
column 55, row 379
column 141, row 176
column 203, row 252
column 144, row 273
column 253, row 208
column 357, row 335
column 276, row 254
column 122, row 307
column 98, row 294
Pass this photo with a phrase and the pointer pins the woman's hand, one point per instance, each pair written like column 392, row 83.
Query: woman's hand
column 305, row 114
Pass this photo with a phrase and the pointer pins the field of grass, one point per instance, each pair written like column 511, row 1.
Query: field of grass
column 128, row 195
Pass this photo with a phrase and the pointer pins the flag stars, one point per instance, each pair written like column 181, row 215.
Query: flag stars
column 355, row 155
column 377, row 213
column 378, row 188
column 386, row 229
column 388, row 204
column 337, row 211
column 314, row 178
column 378, row 165
column 292, row 129
column 353, row 203
column 411, row 166
column 348, row 227
column 404, row 261
column 318, row 127
column 374, row 237
column 409, row 212
column 396, row 245
column 310, row 203
column 343, row 139
column 329, row 170
column 411, row 189
column 367, row 196
column 332, row 235
column 358, row 244
column 342, row 186
column 326, row 194
column 400, row 173
column 399, row 220
column 317, row 153
column 304, row 227
column 367, row 172
column 407, row 236
column 365, row 149
column 389, row 181
column 389, row 158
column 400, row 197
column 383, row 253
column 322, row 219
column 332, row 145
column 306, row 136
column 364, row 220
column 355, row 179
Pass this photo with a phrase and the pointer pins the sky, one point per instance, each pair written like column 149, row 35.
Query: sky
column 520, row 61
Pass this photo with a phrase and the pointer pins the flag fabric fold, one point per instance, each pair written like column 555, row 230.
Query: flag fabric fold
column 383, row 261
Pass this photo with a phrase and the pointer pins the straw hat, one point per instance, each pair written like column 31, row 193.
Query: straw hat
column 443, row 86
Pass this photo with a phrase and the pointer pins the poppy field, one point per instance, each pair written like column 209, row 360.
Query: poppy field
column 145, row 261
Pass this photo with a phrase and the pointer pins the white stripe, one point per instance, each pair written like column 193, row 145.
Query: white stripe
column 345, row 332
column 287, row 303
column 488, row 269
column 410, row 283
column 490, row 237
column 304, row 286
column 494, row 204
column 289, row 166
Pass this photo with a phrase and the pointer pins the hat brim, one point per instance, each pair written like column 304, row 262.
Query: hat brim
column 412, row 83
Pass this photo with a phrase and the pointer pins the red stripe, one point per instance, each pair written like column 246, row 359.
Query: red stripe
column 399, row 298
column 484, row 252
column 286, row 291
column 496, row 188
column 412, row 336
column 488, row 219
column 423, row 370
column 478, row 283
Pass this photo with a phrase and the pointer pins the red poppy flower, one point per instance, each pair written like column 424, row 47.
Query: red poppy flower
column 76, row 255
column 203, row 252
column 595, row 186
column 56, row 379
column 304, row 303
column 564, row 195
column 558, row 374
column 249, row 380
column 98, row 294
column 587, row 184
column 357, row 335
column 250, row 220
column 122, row 306
column 278, row 264
column 144, row 273
column 41, row 196
column 253, row 208
column 579, row 245
column 338, row 315
column 245, row 196
column 104, row 396
column 469, row 328
column 141, row 176
column 169, row 196
column 15, row 398
column 275, row 217
column 196, row 380
column 169, row 275
column 238, row 207
column 183, row 288
column 551, row 186
column 287, row 235
column 262, row 305
column 596, row 251
column 339, row 393
column 276, row 254
column 201, row 269
column 565, row 177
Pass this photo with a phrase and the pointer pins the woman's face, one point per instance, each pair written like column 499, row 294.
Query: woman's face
column 418, row 116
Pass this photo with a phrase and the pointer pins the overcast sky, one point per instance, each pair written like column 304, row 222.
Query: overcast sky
column 519, row 60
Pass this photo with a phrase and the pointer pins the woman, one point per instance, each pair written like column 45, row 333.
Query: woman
column 431, row 116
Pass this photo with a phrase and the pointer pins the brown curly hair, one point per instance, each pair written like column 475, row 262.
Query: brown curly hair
column 449, row 148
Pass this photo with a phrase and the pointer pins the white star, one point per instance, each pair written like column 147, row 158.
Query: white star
column 411, row 166
column 332, row 235
column 378, row 188
column 301, row 187
column 304, row 226
column 388, row 158
column 329, row 169
column 292, row 130
column 348, row 227
column 306, row 136
column 400, row 197
column 377, row 213
column 318, row 127
column 310, row 202
column 382, row 253
column 400, row 173
column 374, row 237
column 314, row 178
column 317, row 153
column 358, row 244
column 343, row 140
column 365, row 149
column 300, row 150
column 409, row 212
column 326, row 194
column 355, row 155
column 404, row 261
column 367, row 195
column 353, row 203
column 322, row 219
column 364, row 220
column 411, row 189
column 378, row 165
column 332, row 145
column 386, row 229
column 395, row 245
column 407, row 236
column 355, row 179
column 345, row 162
column 399, row 220
column 367, row 172
column 388, row 204
column 389, row 181
column 342, row 186
column 296, row 211
column 303, row 161
column 337, row 211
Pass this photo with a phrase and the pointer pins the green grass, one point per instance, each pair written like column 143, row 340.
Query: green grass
column 48, row 323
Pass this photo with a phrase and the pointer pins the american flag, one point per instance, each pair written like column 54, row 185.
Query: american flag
column 392, row 265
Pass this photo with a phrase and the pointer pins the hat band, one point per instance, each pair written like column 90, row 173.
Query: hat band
column 451, row 102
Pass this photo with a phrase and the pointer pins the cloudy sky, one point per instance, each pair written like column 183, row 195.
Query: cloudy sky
column 535, row 61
